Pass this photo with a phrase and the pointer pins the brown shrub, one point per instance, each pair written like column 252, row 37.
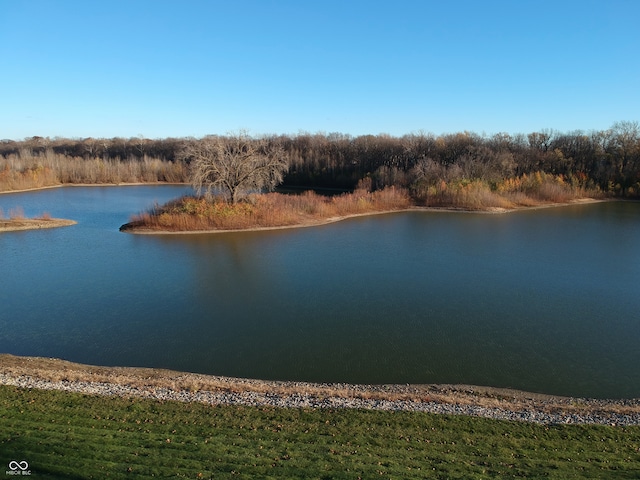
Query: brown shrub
column 267, row 210
column 16, row 213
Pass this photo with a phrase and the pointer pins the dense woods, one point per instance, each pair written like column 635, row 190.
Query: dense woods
column 434, row 169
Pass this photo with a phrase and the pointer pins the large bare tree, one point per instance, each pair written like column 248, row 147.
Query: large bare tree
column 234, row 165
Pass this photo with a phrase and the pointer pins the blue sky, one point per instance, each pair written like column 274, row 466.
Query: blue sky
column 189, row 68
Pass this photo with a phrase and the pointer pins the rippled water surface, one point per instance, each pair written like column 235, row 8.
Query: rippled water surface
column 545, row 300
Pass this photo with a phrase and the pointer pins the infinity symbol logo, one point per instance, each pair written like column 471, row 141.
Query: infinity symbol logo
column 13, row 465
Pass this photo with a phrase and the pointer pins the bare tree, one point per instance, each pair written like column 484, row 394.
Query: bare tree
column 541, row 140
column 626, row 136
column 90, row 145
column 234, row 165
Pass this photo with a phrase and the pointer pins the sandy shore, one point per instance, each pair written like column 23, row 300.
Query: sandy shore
column 128, row 228
column 16, row 224
column 501, row 404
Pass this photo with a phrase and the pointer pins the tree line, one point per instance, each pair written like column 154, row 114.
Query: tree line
column 604, row 160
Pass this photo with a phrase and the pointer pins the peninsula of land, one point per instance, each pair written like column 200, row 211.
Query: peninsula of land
column 276, row 211
column 15, row 224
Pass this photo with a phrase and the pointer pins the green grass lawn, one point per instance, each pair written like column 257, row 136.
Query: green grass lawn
column 65, row 435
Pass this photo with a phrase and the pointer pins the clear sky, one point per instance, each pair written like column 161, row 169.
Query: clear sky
column 160, row 68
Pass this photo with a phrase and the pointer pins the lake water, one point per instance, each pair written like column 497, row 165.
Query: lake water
column 545, row 300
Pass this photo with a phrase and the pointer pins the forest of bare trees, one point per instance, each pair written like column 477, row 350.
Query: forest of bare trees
column 606, row 161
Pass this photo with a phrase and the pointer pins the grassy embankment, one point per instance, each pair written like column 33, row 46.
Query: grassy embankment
column 64, row 435
column 279, row 210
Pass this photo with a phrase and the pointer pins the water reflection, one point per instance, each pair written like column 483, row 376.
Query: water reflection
column 543, row 300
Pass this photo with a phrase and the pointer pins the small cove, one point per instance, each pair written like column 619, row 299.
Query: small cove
column 543, row 300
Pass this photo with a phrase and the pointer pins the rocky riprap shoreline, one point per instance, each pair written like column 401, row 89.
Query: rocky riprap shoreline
column 499, row 404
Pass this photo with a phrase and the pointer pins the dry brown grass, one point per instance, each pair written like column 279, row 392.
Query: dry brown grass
column 267, row 210
column 540, row 188
column 16, row 213
column 25, row 171
column 9, row 225
column 142, row 379
column 18, row 221
column 531, row 190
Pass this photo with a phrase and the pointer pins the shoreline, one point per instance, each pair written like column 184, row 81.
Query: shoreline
column 160, row 384
column 327, row 221
column 21, row 224
column 62, row 185
column 320, row 222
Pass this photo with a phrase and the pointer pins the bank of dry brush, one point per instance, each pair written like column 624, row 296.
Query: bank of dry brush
column 26, row 171
column 527, row 190
column 271, row 210
column 267, row 210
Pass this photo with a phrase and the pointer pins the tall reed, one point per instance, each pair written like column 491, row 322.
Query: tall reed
column 521, row 191
column 24, row 171
column 267, row 210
